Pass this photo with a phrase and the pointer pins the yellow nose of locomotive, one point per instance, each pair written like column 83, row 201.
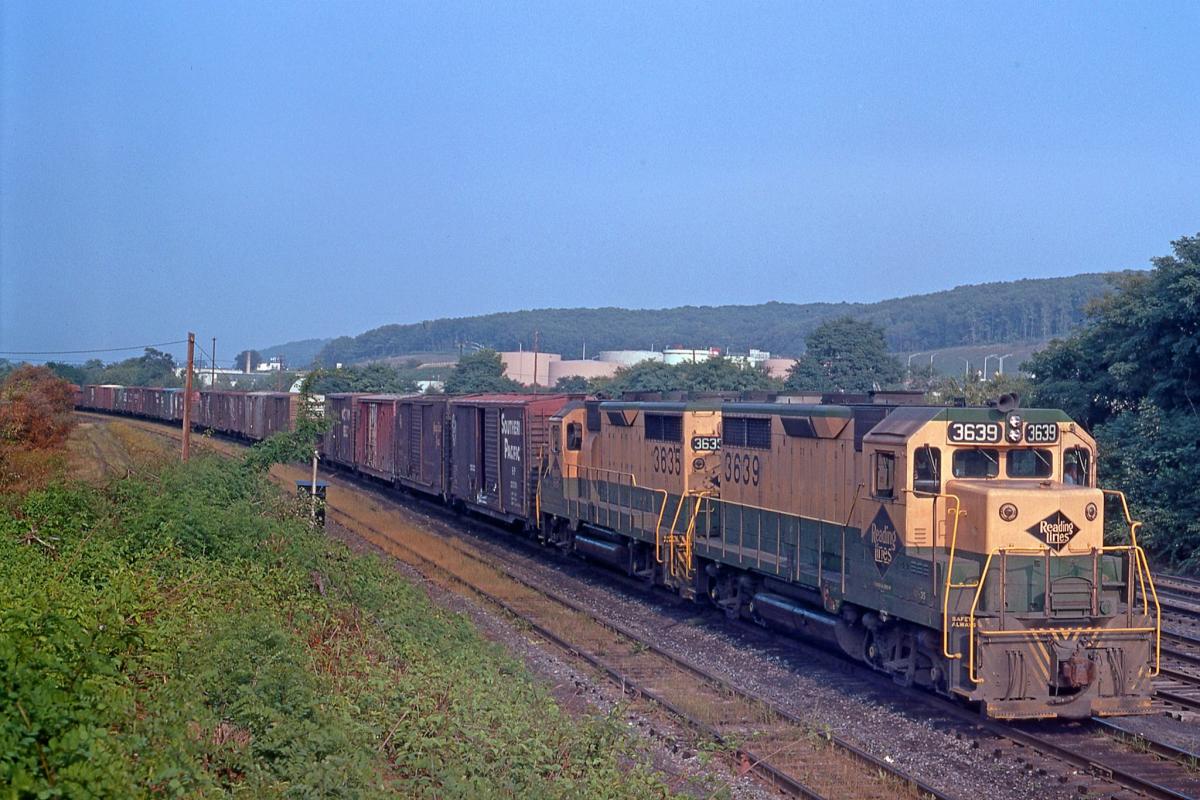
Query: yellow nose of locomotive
column 1020, row 515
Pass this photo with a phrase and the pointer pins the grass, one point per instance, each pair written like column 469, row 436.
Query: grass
column 182, row 632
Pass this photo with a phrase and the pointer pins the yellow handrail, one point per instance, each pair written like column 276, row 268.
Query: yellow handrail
column 658, row 530
column 1129, row 520
column 662, row 507
column 1138, row 562
column 958, row 512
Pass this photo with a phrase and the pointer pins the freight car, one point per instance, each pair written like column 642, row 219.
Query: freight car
column 957, row 549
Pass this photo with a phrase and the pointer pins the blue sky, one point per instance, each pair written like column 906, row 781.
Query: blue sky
column 261, row 172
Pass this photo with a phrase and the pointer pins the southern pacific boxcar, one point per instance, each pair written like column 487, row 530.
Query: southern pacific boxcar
column 497, row 443
column 421, row 434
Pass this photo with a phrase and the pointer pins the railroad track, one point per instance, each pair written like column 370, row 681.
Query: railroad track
column 779, row 747
column 1120, row 763
column 776, row 745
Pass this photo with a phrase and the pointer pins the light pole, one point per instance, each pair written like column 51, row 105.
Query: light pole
column 966, row 369
column 1006, row 355
column 985, row 360
column 908, row 369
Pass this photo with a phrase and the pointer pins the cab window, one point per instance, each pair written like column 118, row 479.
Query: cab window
column 977, row 462
column 1077, row 464
column 885, row 474
column 1029, row 463
column 574, row 436
column 927, row 470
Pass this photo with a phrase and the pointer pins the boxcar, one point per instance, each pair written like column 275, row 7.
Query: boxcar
column 341, row 409
column 375, row 435
column 497, row 442
column 421, row 444
column 268, row 413
column 100, row 398
column 223, row 412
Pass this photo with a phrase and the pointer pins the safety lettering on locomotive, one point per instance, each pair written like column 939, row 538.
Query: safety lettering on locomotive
column 884, row 540
column 1055, row 530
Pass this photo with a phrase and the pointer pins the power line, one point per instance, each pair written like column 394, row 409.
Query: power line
column 77, row 352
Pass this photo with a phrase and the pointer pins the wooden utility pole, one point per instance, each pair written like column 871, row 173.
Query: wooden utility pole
column 187, row 397
column 212, row 384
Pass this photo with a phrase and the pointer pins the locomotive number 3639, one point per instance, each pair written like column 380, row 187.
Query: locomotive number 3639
column 742, row 468
column 983, row 432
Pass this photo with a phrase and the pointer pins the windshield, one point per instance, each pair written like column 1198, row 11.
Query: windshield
column 1029, row 463
column 1075, row 466
column 979, row 462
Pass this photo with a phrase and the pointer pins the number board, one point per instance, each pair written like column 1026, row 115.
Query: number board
column 974, row 432
column 1041, row 432
column 706, row 444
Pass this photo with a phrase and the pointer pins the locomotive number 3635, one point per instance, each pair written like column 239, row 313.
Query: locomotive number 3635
column 667, row 460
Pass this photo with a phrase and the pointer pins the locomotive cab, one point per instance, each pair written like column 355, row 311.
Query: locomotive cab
column 1039, row 617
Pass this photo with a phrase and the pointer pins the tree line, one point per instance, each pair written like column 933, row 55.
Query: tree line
column 1131, row 375
column 1025, row 310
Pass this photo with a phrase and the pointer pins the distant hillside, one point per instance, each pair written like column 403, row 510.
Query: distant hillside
column 296, row 354
column 1014, row 311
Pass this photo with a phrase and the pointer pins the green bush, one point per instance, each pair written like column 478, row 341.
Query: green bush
column 187, row 634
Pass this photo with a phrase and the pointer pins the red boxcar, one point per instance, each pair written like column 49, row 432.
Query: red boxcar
column 268, row 413
column 421, row 443
column 497, row 443
column 341, row 409
column 375, row 435
column 100, row 398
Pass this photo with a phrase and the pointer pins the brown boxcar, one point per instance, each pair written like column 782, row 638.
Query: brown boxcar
column 223, row 412
column 375, row 435
column 341, row 409
column 268, row 413
column 421, row 443
column 497, row 442
column 100, row 398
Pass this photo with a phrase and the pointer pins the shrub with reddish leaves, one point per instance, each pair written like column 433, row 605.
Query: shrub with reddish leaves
column 35, row 408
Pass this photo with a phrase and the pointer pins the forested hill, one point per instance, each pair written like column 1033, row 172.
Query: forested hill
column 1013, row 311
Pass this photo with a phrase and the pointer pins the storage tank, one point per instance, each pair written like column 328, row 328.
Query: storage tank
column 627, row 358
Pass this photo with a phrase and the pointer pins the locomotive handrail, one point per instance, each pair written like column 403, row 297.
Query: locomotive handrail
column 958, row 512
column 537, row 495
column 1138, row 563
column 1129, row 520
column 662, row 508
column 857, row 491
column 658, row 528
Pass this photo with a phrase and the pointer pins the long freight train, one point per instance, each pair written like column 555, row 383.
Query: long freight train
column 958, row 549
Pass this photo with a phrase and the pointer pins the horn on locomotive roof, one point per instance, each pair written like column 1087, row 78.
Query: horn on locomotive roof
column 1009, row 401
